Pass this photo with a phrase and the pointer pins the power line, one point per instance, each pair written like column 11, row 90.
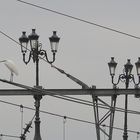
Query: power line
column 61, row 116
column 53, row 94
column 89, row 103
column 5, row 135
column 76, row 100
column 79, row 19
column 69, row 99
column 9, row 37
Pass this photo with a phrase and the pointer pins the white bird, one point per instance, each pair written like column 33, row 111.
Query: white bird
column 11, row 66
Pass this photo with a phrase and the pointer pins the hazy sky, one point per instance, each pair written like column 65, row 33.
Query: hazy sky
column 84, row 51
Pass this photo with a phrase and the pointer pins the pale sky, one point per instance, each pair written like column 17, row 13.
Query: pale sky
column 84, row 51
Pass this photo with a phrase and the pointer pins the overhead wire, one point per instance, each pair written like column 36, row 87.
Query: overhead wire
column 43, row 59
column 88, row 103
column 73, row 18
column 72, row 99
column 9, row 37
column 68, row 117
column 79, row 19
column 5, row 135
column 53, row 94
column 99, row 105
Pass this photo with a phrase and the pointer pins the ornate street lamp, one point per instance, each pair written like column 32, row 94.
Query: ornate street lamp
column 35, row 53
column 36, row 47
column 126, row 77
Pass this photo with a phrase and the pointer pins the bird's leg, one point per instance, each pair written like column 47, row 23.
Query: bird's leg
column 11, row 77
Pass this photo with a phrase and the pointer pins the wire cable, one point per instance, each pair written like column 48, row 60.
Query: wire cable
column 43, row 59
column 79, row 19
column 9, row 37
column 88, row 103
column 5, row 135
column 102, row 105
column 68, row 117
column 53, row 94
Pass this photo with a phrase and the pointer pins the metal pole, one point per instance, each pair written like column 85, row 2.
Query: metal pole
column 125, row 135
column 37, row 118
column 37, row 101
column 37, row 67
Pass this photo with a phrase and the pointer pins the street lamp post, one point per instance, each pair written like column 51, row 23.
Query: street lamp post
column 126, row 77
column 36, row 52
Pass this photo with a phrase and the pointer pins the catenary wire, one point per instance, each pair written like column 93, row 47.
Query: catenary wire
column 76, row 19
column 41, row 58
column 5, row 135
column 86, row 102
column 89, row 104
column 103, row 106
column 9, row 37
column 53, row 94
column 79, row 19
column 70, row 118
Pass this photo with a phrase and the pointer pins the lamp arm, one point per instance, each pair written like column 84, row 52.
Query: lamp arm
column 26, row 62
column 121, row 76
column 44, row 53
column 134, row 81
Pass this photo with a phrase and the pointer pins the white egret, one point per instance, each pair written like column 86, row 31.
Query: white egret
column 11, row 66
